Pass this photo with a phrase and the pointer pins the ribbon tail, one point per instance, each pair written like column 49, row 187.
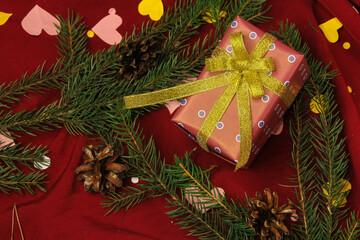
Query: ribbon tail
column 216, row 113
column 244, row 111
column 177, row 92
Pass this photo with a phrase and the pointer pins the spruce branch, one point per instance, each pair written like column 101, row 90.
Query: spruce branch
column 11, row 180
column 195, row 182
column 72, row 40
column 91, row 81
column 153, row 170
column 352, row 231
column 36, row 82
column 305, row 172
column 332, row 160
column 28, row 122
column 324, row 174
column 252, row 11
column 11, row 155
column 127, row 198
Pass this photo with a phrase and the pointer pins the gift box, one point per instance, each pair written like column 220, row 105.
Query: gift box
column 266, row 111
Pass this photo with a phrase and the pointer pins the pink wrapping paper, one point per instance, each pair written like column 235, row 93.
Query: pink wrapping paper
column 266, row 112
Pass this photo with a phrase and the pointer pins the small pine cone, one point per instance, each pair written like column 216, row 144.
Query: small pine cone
column 99, row 171
column 137, row 56
column 266, row 217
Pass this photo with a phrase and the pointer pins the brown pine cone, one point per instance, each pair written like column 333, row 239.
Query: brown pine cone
column 266, row 217
column 137, row 56
column 99, row 171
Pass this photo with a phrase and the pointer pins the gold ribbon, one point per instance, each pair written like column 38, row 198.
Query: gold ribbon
column 246, row 75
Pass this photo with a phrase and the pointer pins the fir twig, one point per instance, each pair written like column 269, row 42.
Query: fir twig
column 352, row 231
column 322, row 178
column 17, row 181
column 36, row 82
column 153, row 171
column 127, row 198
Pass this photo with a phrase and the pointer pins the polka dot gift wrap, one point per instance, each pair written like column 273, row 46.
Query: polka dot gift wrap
column 266, row 111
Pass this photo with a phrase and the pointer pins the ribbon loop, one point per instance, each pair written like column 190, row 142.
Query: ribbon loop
column 238, row 46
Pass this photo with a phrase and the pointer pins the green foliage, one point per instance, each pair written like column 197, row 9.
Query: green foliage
column 72, row 40
column 36, row 82
column 174, row 181
column 318, row 155
column 12, row 177
column 11, row 180
column 91, row 103
column 352, row 230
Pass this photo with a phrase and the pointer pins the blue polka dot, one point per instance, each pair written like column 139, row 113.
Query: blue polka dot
column 191, row 136
column 253, row 35
column 238, row 138
column 235, row 161
column 287, row 83
column 272, row 47
column 265, row 98
column 217, row 149
column 229, row 48
column 183, row 102
column 220, row 125
column 291, row 58
column 201, row 113
column 269, row 73
column 261, row 124
column 234, row 24
column 180, row 124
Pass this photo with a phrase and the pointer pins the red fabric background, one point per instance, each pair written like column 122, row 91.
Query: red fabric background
column 66, row 211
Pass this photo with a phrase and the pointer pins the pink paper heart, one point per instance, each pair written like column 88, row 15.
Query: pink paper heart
column 5, row 141
column 106, row 28
column 37, row 20
column 192, row 197
column 172, row 105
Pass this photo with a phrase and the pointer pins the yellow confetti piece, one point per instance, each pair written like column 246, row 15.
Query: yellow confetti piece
column 330, row 29
column 211, row 19
column 349, row 89
column 341, row 200
column 346, row 45
column 153, row 8
column 4, row 17
column 317, row 104
column 90, row 34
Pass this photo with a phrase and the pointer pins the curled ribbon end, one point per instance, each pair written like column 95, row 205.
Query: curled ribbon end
column 202, row 143
column 238, row 166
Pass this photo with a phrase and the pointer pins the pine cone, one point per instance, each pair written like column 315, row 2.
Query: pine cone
column 138, row 55
column 266, row 217
column 99, row 171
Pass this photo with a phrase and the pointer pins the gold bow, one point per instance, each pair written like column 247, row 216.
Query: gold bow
column 246, row 75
